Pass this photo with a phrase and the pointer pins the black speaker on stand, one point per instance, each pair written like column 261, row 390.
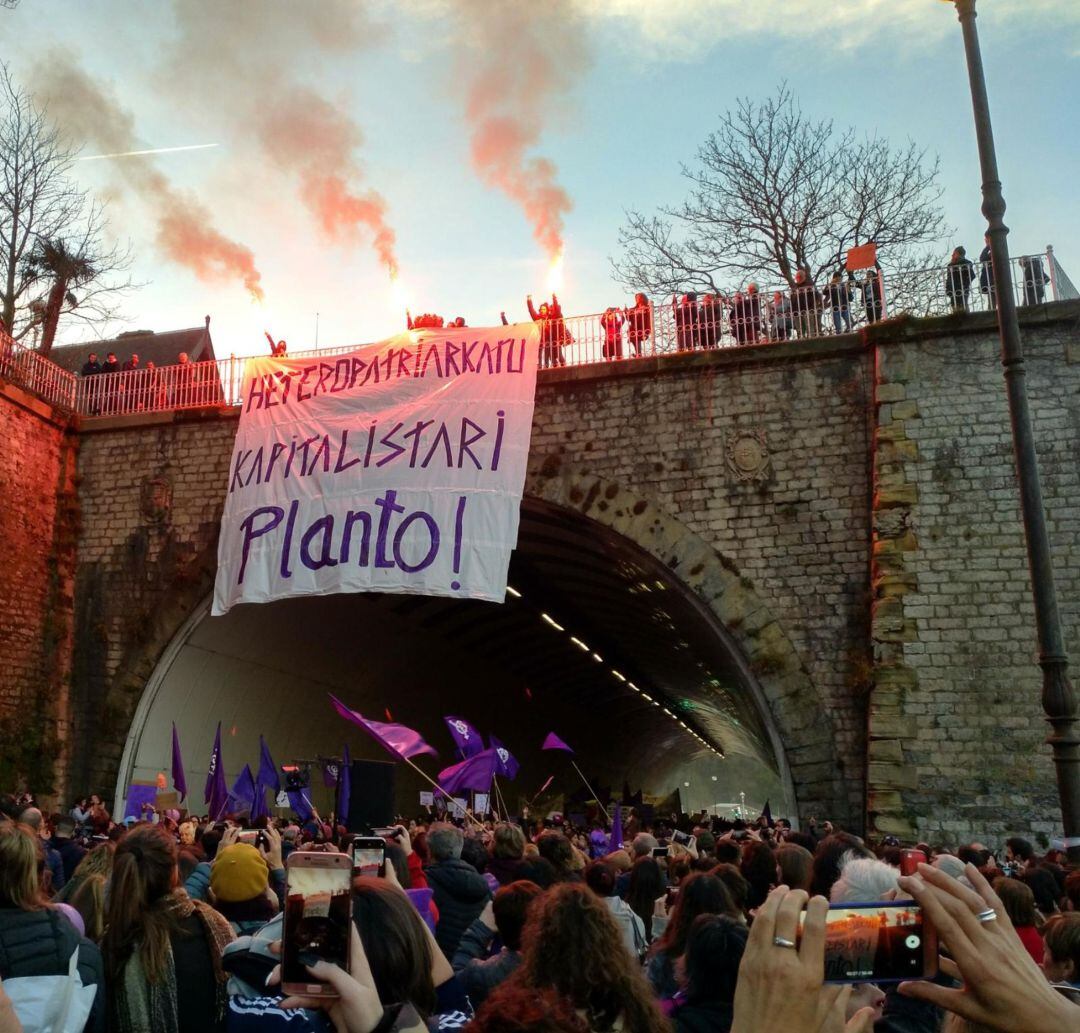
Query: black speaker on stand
column 371, row 795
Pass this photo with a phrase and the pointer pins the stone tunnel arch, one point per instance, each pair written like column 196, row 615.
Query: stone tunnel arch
column 790, row 723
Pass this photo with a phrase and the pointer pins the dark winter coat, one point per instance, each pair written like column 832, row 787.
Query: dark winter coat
column 460, row 895
column 477, row 973
column 70, row 855
column 40, row 943
column 505, row 869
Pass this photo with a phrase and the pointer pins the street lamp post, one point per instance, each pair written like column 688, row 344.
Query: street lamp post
column 1058, row 698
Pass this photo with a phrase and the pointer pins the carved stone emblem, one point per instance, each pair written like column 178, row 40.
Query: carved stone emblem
column 748, row 456
column 157, row 499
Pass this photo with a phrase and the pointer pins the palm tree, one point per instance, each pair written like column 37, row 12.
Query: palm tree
column 53, row 260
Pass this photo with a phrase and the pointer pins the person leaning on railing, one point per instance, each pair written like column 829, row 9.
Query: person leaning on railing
column 640, row 321
column 959, row 275
column 806, row 303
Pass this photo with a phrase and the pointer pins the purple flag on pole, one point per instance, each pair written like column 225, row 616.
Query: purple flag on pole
column 216, row 793
column 344, row 786
column 466, row 738
column 258, row 805
column 300, row 803
column 399, row 740
column 268, row 772
column 506, row 764
column 474, row 772
column 330, row 774
column 179, row 779
column 553, row 742
column 616, row 840
column 242, row 793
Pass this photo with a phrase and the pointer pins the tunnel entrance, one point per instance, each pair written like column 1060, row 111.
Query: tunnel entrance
column 598, row 641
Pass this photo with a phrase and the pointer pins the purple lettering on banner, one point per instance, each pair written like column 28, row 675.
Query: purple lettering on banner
column 403, row 364
column 485, row 355
column 256, row 469
column 416, row 368
column 271, row 389
column 421, row 426
column 398, row 449
column 356, row 516
column 324, row 526
column 442, row 436
column 340, row 467
column 305, row 373
column 433, row 548
column 305, row 448
column 255, row 390
column 325, row 369
column 370, row 444
column 275, row 452
column 341, row 375
column 510, row 356
column 498, row 439
column 452, row 352
column 285, row 378
column 247, row 525
column 389, row 507
column 358, row 367
column 432, row 353
column 459, row 528
column 324, row 451
column 466, row 357
column 241, row 458
column 287, row 545
column 292, row 456
column 464, row 442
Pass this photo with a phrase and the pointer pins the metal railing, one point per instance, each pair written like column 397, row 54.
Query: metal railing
column 35, row 372
column 741, row 319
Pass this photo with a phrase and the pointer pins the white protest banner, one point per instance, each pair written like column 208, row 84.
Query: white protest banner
column 398, row 467
column 427, row 798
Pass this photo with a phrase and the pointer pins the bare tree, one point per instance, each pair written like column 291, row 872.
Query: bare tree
column 773, row 191
column 51, row 232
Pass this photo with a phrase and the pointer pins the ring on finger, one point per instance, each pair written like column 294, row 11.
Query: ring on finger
column 779, row 941
column 988, row 915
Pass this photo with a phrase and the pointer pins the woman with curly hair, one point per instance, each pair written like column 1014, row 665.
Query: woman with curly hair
column 162, row 949
column 700, row 894
column 572, row 945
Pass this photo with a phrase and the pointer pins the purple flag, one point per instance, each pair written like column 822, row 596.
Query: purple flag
column 466, row 738
column 330, row 774
column 616, row 840
column 268, row 772
column 553, row 742
column 242, row 793
column 344, row 787
column 258, row 805
column 474, row 772
column 399, row 740
column 179, row 779
column 216, row 793
column 300, row 803
column 506, row 764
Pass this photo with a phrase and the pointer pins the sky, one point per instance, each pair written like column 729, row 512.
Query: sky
column 415, row 101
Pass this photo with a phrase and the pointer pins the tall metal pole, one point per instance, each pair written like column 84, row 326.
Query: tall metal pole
column 1058, row 698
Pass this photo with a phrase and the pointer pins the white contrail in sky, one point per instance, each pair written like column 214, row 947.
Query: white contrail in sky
column 156, row 150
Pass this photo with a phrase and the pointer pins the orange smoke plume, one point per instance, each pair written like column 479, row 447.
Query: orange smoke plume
column 185, row 233
column 310, row 138
column 526, row 57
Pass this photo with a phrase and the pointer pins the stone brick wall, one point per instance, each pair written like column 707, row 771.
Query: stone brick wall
column 38, row 523
column 958, row 736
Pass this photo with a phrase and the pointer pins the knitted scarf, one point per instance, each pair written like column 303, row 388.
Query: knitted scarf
column 145, row 1007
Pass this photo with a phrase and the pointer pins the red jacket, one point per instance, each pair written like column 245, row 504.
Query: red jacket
column 1032, row 941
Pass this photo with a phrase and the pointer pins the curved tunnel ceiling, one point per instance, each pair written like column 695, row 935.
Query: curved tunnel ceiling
column 599, row 643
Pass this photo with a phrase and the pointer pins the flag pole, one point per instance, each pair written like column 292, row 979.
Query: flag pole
column 596, row 796
column 501, row 799
column 427, row 778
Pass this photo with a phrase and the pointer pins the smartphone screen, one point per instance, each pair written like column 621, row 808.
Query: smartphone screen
column 368, row 854
column 318, row 910
column 682, row 838
column 883, row 942
column 660, row 851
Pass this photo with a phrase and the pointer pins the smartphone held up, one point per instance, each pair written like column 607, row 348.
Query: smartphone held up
column 318, row 913
column 881, row 942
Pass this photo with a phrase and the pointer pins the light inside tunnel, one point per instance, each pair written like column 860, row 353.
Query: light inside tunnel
column 673, row 699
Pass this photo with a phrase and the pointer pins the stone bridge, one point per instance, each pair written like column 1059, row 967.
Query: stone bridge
column 808, row 554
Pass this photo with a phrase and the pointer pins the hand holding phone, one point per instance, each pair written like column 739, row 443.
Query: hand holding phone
column 368, row 855
column 318, row 921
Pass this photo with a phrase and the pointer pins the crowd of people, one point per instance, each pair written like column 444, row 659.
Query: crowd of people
column 961, row 274
column 176, row 384
column 172, row 923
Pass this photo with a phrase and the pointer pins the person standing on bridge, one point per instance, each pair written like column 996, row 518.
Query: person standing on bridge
column 612, row 321
column 959, row 275
column 640, row 323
